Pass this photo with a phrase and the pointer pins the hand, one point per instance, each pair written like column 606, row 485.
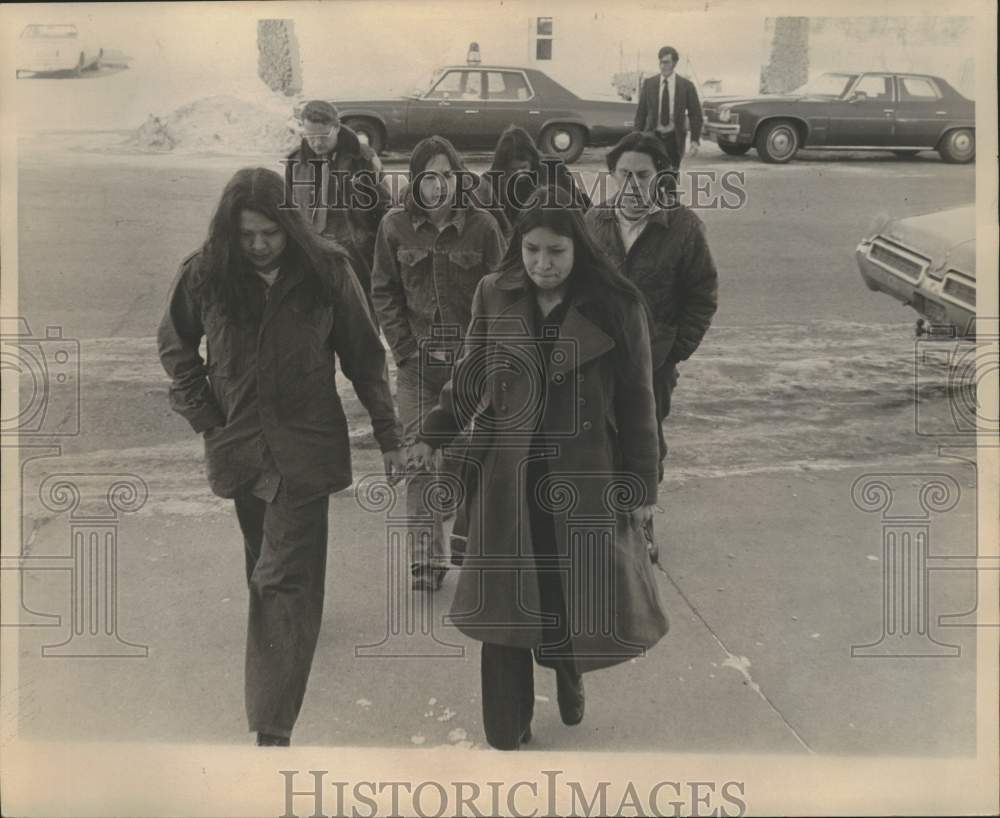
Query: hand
column 693, row 150
column 394, row 462
column 641, row 516
column 420, row 457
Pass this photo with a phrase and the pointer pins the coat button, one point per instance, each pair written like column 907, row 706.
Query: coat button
column 587, row 425
column 558, row 377
column 503, row 386
column 582, row 401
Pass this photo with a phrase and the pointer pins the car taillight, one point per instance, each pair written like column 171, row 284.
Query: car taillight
column 961, row 289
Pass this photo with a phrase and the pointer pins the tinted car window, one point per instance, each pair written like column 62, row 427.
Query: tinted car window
column 875, row 86
column 506, row 85
column 457, row 85
column 916, row 88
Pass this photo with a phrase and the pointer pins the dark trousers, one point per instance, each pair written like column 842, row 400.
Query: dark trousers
column 418, row 385
column 286, row 571
column 664, row 381
column 507, row 673
column 674, row 148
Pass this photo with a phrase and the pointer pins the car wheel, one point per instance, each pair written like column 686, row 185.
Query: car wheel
column 959, row 146
column 733, row 150
column 906, row 154
column 564, row 141
column 369, row 132
column 777, row 142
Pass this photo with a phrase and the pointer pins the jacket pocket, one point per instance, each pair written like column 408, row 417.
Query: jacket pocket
column 466, row 270
column 418, row 283
column 410, row 257
column 466, row 259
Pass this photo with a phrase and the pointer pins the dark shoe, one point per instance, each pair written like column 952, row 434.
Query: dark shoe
column 569, row 691
column 267, row 740
column 428, row 579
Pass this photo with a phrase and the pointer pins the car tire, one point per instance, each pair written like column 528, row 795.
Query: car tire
column 777, row 142
column 905, row 154
column 369, row 132
column 958, row 147
column 564, row 141
column 733, row 150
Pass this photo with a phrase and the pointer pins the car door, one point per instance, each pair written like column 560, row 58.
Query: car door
column 510, row 100
column 865, row 115
column 920, row 114
column 450, row 108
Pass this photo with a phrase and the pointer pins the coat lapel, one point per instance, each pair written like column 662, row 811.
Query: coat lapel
column 588, row 339
column 515, row 326
column 514, row 329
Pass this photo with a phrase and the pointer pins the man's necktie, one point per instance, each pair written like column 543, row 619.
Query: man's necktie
column 665, row 104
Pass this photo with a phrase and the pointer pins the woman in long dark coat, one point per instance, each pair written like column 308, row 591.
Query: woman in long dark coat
column 555, row 375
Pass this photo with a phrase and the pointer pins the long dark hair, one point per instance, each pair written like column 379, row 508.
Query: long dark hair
column 425, row 150
column 225, row 276
column 608, row 297
column 516, row 144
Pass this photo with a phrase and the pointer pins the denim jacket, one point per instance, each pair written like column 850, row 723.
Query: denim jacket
column 424, row 279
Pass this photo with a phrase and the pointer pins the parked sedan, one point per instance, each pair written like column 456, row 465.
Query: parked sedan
column 472, row 104
column 55, row 48
column 929, row 263
column 903, row 113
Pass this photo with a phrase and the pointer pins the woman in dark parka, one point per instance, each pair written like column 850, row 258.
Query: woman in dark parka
column 556, row 371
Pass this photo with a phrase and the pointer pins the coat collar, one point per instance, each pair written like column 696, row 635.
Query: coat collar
column 606, row 214
column 348, row 147
column 418, row 217
column 515, row 325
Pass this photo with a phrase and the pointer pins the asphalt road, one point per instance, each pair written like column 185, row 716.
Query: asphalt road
column 100, row 237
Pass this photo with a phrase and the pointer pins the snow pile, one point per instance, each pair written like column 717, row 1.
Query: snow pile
column 220, row 124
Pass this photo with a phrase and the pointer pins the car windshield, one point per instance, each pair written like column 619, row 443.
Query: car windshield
column 50, row 32
column 825, row 85
column 422, row 90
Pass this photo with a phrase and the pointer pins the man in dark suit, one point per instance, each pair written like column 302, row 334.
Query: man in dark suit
column 666, row 104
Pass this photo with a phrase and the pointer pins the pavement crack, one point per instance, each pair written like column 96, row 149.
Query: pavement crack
column 741, row 664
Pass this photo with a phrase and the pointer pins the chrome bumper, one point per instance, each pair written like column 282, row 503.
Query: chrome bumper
column 725, row 130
